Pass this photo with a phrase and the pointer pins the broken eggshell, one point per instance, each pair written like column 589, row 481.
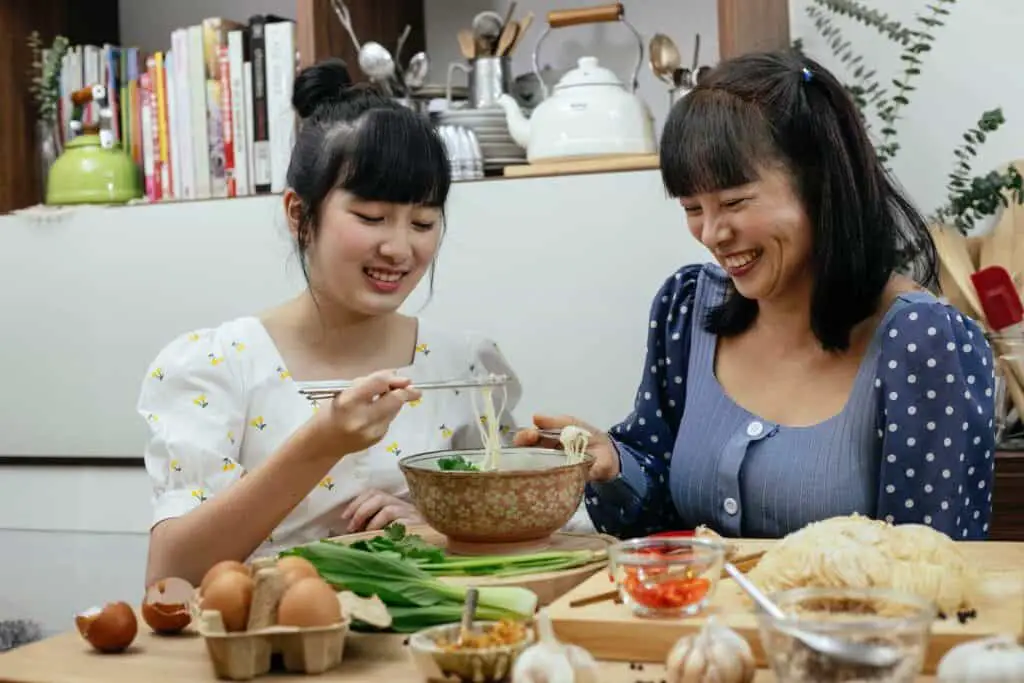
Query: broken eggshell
column 169, row 605
column 370, row 610
column 110, row 628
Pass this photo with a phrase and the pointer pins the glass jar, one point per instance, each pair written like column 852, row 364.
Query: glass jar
column 1008, row 352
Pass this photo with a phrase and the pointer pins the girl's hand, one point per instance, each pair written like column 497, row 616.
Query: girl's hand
column 606, row 457
column 372, row 510
column 360, row 416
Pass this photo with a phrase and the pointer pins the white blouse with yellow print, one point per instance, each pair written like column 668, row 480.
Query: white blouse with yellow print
column 219, row 401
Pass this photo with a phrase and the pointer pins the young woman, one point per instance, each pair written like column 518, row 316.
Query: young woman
column 240, row 461
column 806, row 374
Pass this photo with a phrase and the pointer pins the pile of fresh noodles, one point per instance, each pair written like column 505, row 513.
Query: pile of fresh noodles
column 858, row 552
column 573, row 439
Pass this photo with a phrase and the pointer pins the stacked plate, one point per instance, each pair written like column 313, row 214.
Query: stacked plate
column 491, row 130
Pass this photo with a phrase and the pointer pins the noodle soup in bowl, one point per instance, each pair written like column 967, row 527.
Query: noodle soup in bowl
column 531, row 494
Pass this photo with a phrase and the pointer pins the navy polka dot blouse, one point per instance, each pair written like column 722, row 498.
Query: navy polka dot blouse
column 915, row 442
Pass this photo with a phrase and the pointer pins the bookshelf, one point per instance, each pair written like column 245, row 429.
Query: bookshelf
column 743, row 25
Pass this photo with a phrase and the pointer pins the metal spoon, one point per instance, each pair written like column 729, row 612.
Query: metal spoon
column 880, row 656
column 665, row 58
column 468, row 612
column 416, row 72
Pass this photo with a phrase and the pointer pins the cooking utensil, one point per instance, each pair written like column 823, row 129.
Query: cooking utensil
column 524, row 24
column 864, row 654
column 696, row 53
column 416, row 72
column 664, row 58
column 509, row 14
column 1004, row 313
column 487, row 28
column 341, row 10
column 507, row 39
column 467, row 44
column 330, row 388
column 468, row 612
column 488, row 79
column 376, row 62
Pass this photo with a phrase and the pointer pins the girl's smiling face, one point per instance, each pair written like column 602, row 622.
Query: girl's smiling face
column 368, row 256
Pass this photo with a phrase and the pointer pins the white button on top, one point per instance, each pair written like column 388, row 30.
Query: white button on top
column 730, row 504
column 755, row 428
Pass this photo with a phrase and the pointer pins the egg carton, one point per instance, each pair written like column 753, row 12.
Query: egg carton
column 244, row 655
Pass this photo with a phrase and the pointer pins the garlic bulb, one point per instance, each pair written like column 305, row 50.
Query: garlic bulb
column 997, row 659
column 716, row 654
column 550, row 661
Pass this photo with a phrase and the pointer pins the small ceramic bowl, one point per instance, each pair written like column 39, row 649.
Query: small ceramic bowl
column 533, row 494
column 491, row 665
column 669, row 576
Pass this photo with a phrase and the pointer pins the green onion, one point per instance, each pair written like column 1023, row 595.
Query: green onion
column 512, row 565
column 403, row 586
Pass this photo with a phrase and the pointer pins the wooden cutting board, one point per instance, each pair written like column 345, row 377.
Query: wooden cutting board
column 610, row 632
column 547, row 585
column 602, row 164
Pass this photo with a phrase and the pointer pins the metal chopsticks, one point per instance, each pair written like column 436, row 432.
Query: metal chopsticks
column 316, row 391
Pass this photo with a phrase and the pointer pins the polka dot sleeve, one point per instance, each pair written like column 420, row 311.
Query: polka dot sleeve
column 638, row 502
column 935, row 385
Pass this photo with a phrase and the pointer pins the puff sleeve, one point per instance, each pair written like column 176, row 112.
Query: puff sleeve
column 638, row 502
column 935, row 387
column 194, row 407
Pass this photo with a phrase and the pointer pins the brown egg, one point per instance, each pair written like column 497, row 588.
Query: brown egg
column 167, row 607
column 309, row 602
column 231, row 595
column 293, row 568
column 218, row 569
column 111, row 628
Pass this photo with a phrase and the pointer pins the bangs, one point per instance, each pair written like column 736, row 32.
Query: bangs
column 394, row 156
column 713, row 141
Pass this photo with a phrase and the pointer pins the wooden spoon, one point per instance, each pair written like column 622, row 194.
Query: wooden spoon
column 507, row 38
column 467, row 43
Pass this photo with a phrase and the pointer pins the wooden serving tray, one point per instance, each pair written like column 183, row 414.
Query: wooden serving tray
column 611, row 632
column 547, row 585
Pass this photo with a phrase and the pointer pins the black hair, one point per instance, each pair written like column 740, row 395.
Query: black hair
column 354, row 137
column 772, row 108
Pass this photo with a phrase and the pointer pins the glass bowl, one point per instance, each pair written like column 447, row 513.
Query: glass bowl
column 885, row 617
column 668, row 576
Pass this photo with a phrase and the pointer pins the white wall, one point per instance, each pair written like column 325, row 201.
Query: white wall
column 110, row 286
column 974, row 66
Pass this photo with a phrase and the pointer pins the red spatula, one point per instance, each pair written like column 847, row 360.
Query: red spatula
column 999, row 300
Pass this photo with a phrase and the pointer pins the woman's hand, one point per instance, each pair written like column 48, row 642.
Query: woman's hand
column 373, row 510
column 606, row 457
column 360, row 416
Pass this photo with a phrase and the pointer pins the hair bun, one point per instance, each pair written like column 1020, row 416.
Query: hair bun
column 322, row 83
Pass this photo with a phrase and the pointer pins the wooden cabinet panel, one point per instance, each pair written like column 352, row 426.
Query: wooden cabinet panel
column 752, row 26
column 321, row 35
column 94, row 22
column 1008, row 498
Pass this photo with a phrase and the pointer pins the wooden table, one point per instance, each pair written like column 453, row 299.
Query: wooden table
column 153, row 659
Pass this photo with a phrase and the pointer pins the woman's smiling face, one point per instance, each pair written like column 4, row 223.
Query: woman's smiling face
column 759, row 233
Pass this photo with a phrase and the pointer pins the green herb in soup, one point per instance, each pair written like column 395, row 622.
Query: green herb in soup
column 456, row 463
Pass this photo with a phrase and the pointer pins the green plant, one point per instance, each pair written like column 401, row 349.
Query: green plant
column 45, row 74
column 969, row 198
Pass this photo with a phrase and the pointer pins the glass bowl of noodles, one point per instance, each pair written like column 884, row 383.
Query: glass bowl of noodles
column 491, row 503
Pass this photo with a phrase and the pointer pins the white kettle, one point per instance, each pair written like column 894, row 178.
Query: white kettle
column 590, row 112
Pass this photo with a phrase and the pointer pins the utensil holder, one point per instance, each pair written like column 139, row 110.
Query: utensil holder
column 488, row 78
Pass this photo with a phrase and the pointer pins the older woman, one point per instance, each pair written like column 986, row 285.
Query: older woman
column 808, row 373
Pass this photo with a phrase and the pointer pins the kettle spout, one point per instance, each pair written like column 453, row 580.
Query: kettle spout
column 518, row 124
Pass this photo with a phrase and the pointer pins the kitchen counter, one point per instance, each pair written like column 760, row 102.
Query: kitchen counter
column 154, row 659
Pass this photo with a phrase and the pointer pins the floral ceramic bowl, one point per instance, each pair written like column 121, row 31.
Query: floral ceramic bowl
column 532, row 494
